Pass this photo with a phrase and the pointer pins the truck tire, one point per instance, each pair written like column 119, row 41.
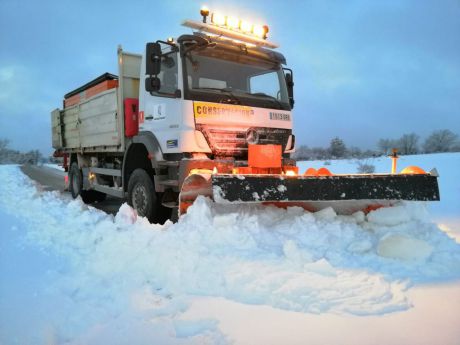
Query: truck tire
column 75, row 180
column 142, row 196
column 76, row 186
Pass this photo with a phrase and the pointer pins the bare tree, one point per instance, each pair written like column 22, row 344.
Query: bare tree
column 320, row 153
column 408, row 144
column 4, row 150
column 9, row 156
column 365, row 167
column 302, row 153
column 355, row 152
column 337, row 148
column 385, row 145
column 456, row 147
column 442, row 140
column 3, row 144
column 315, row 153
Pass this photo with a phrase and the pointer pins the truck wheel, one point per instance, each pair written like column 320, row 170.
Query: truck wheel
column 142, row 196
column 76, row 187
column 75, row 181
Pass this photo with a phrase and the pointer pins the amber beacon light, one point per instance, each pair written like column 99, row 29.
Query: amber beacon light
column 204, row 13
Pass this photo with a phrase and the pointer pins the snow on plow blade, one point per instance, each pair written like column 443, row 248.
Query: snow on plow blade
column 345, row 193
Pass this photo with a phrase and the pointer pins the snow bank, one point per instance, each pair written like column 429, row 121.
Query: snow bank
column 124, row 276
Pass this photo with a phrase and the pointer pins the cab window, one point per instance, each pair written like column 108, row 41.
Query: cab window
column 168, row 75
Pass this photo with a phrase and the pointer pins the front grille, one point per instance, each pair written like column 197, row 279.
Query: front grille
column 231, row 142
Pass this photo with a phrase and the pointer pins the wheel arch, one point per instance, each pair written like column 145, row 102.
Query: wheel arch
column 152, row 145
column 143, row 152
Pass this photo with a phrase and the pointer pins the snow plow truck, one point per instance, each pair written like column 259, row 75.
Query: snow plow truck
column 208, row 113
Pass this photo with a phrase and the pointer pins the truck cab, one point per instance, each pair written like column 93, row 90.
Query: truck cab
column 214, row 96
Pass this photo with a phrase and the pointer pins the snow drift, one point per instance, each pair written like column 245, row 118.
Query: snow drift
column 126, row 275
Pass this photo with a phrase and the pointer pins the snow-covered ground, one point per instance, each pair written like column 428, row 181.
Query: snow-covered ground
column 71, row 274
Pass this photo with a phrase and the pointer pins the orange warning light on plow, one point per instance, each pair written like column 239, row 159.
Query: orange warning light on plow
column 413, row 170
column 310, row 172
column 319, row 172
column 324, row 172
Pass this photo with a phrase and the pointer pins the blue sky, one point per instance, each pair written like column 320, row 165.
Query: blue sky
column 363, row 69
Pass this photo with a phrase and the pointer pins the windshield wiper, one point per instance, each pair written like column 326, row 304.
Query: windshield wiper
column 274, row 99
column 227, row 91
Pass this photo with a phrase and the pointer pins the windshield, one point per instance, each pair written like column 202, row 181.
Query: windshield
column 226, row 77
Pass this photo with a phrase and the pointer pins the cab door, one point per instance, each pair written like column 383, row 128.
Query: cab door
column 160, row 111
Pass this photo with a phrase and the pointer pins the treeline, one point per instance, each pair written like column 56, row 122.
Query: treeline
column 442, row 140
column 9, row 156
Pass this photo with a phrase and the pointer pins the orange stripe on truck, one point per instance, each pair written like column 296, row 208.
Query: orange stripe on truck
column 101, row 87
column 92, row 91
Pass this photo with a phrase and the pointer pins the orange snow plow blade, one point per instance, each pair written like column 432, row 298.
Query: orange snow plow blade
column 346, row 194
column 282, row 186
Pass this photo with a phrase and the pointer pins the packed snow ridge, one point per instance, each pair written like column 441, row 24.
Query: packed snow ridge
column 289, row 259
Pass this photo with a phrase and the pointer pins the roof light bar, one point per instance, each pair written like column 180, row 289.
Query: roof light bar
column 246, row 27
column 236, row 24
column 232, row 27
column 218, row 19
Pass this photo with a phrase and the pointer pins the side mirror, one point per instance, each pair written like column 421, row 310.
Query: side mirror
column 152, row 59
column 152, row 84
column 290, row 87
